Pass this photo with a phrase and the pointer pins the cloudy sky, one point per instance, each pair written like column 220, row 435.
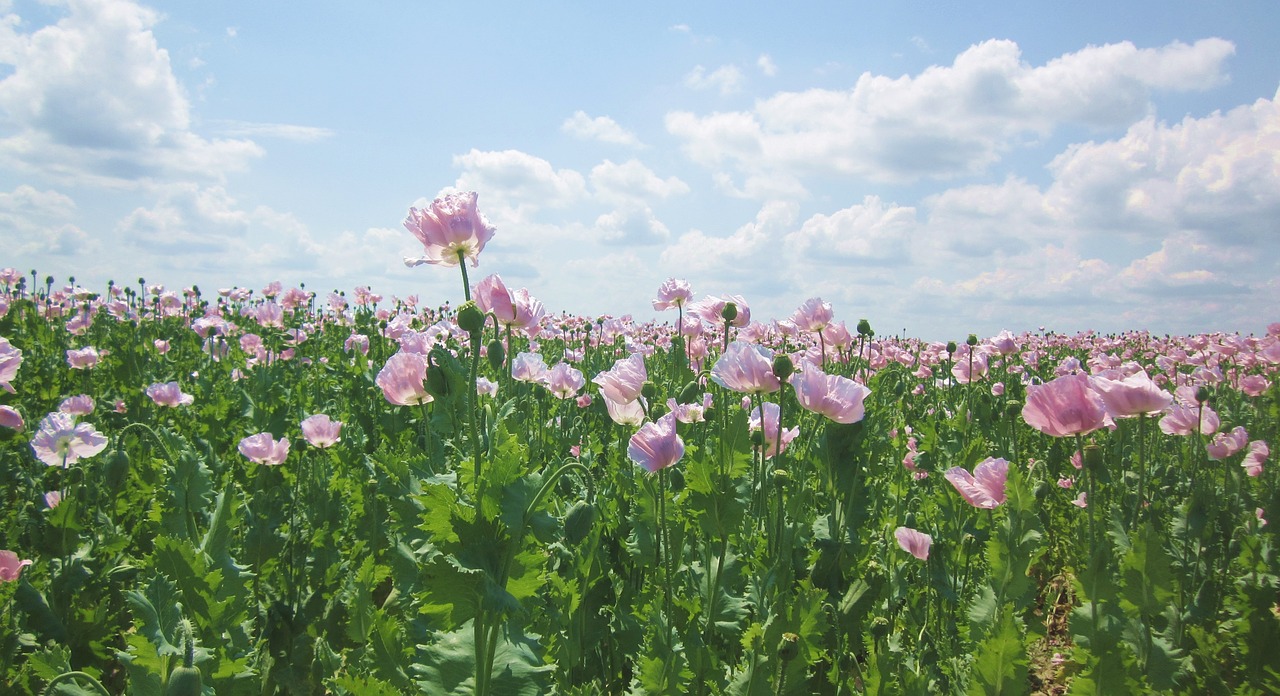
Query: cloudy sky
column 938, row 168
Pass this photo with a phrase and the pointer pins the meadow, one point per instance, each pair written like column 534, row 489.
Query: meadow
column 256, row 491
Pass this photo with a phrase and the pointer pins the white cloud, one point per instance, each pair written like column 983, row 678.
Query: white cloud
column 632, row 181
column 282, row 131
column 94, row 98
column 631, row 226
column 726, row 79
column 756, row 245
column 601, row 128
column 767, row 67
column 947, row 120
column 870, row 232
column 518, row 181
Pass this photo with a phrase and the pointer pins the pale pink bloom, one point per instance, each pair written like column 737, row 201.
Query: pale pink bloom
column 1185, row 420
column 356, row 342
column 970, row 364
column 997, row 389
column 10, row 418
column 836, row 397
column 10, row 358
column 492, row 297
column 770, row 426
column 272, row 289
column 1255, row 457
column 914, row 542
column 656, row 445
column 264, row 449
column 690, row 413
column 83, row 358
column 169, row 394
column 403, row 379
column 1003, row 343
column 1224, row 445
column 564, row 380
column 1134, row 395
column 985, row 487
column 529, row 367
column 710, row 310
column 321, row 431
column 1082, row 500
column 1260, row 514
column 60, row 441
column 1077, row 459
column 270, row 314
column 486, row 387
column 1065, row 406
column 120, row 406
column 10, row 566
column 673, row 293
column 746, row 368
column 813, row 316
column 631, row 413
column 624, row 381
column 450, row 230
column 52, row 499
column 78, row 405
column 162, row 346
column 1066, row 482
column 1254, row 385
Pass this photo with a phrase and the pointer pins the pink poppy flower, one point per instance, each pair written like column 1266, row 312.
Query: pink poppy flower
column 60, row 441
column 564, row 380
column 622, row 383
column 321, row 431
column 746, row 368
column 690, row 413
column 356, row 342
column 1255, row 457
column 656, row 446
column 529, row 367
column 486, row 387
column 1254, row 385
column 1132, row 396
column 813, row 316
column 970, row 364
column 10, row 418
column 1065, row 406
column 1224, row 445
column 1082, row 500
column 914, row 542
column 711, row 310
column 10, row 360
column 79, row 405
column 403, row 379
column 10, row 565
column 52, row 499
column 264, row 449
column 768, row 424
column 1185, row 420
column 169, row 394
column 1261, row 515
column 450, row 229
column 83, row 358
column 673, row 293
column 985, row 487
column 836, row 397
column 631, row 413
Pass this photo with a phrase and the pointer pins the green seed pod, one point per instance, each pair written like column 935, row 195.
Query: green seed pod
column 470, row 317
column 690, row 393
column 951, row 347
column 864, row 328
column 879, row 627
column 497, row 355
column 115, row 470
column 649, row 390
column 1092, row 458
column 1012, row 408
column 783, row 367
column 788, row 647
column 578, row 521
column 730, row 311
column 1203, row 394
column 185, row 680
column 972, row 340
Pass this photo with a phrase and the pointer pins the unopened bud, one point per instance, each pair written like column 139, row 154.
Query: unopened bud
column 730, row 311
column 649, row 391
column 470, row 317
column 497, row 354
column 864, row 328
column 690, row 393
column 783, row 367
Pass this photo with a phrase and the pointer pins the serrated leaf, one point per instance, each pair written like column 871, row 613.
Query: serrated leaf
column 449, row 665
column 158, row 611
column 1001, row 662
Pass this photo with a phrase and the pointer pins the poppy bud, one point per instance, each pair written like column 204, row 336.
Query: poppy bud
column 972, row 340
column 578, row 521
column 470, row 317
column 689, row 394
column 116, row 469
column 864, row 328
column 437, row 383
column 1092, row 457
column 783, row 367
column 1202, row 394
column 951, row 347
column 649, row 390
column 496, row 354
column 730, row 311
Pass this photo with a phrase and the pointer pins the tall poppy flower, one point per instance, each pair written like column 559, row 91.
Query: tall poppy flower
column 656, row 445
column 451, row 229
column 622, row 383
column 264, row 449
column 914, row 542
column 403, row 379
column 985, row 487
column 746, row 368
column 1065, row 406
column 60, row 441
column 836, row 397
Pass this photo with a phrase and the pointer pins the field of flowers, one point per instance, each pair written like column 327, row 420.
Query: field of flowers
column 255, row 492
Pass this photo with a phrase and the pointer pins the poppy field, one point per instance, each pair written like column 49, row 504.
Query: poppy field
column 282, row 491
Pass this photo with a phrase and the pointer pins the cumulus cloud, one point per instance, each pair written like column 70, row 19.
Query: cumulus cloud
column 947, row 120
column 725, row 79
column 93, row 98
column 600, row 128
column 869, row 232
column 632, row 182
column 767, row 67
column 753, row 246
column 519, row 182
column 631, row 226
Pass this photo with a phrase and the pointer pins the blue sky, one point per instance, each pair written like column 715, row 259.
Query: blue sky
column 937, row 168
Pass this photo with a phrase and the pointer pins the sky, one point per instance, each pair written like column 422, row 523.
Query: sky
column 938, row 168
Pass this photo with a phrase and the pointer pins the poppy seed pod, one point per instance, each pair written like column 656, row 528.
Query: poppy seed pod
column 1092, row 457
column 788, row 647
column 864, row 328
column 730, row 311
column 470, row 317
column 1203, row 394
column 783, row 367
column 951, row 347
column 649, row 390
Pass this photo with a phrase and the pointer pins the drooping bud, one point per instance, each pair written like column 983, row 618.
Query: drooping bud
column 578, row 521
column 496, row 354
column 690, row 393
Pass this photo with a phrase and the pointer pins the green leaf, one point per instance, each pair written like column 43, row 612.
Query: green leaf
column 158, row 612
column 1001, row 664
column 448, row 665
